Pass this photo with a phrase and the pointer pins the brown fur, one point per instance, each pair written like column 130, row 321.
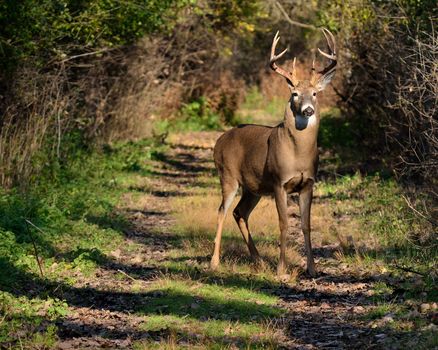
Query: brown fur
column 273, row 161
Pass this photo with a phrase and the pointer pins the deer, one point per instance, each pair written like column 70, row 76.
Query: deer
column 275, row 161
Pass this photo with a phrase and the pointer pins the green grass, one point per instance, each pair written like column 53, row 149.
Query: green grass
column 198, row 115
column 73, row 225
column 258, row 109
column 76, row 210
column 209, row 314
column 388, row 229
column 186, row 297
column 194, row 116
column 29, row 320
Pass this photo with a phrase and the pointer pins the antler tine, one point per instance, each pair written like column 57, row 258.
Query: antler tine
column 329, row 37
column 290, row 77
column 274, row 45
column 294, row 76
column 314, row 76
column 331, row 44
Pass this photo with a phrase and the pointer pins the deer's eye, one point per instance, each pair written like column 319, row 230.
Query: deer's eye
column 314, row 94
column 295, row 94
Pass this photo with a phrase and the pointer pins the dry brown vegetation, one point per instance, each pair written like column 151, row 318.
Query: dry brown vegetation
column 389, row 87
column 93, row 98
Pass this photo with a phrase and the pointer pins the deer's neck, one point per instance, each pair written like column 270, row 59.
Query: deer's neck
column 302, row 131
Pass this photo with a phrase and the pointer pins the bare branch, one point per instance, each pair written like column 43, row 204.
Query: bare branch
column 416, row 211
column 86, row 54
column 37, row 257
column 291, row 21
column 407, row 269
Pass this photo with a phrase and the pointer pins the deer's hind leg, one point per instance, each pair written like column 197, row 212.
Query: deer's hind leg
column 229, row 190
column 241, row 214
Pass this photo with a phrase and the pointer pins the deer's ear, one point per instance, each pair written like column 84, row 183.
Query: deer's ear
column 324, row 80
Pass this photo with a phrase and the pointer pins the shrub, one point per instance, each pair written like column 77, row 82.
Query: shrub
column 388, row 82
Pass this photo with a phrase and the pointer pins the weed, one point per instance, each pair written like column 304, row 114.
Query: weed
column 194, row 116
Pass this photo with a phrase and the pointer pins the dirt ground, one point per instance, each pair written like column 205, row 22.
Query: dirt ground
column 326, row 312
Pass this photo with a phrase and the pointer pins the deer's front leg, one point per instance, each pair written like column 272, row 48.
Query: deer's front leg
column 281, row 203
column 305, row 203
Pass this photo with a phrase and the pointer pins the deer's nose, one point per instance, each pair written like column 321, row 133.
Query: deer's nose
column 308, row 111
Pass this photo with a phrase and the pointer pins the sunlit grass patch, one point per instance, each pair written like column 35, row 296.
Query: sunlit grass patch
column 212, row 334
column 208, row 312
column 369, row 217
column 197, row 299
column 29, row 323
column 196, row 218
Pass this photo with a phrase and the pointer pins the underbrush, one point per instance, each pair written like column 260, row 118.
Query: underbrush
column 259, row 109
column 198, row 115
column 370, row 210
column 60, row 230
column 386, row 228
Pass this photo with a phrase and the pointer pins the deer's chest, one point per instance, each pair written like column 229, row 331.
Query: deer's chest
column 292, row 166
column 298, row 183
column 295, row 173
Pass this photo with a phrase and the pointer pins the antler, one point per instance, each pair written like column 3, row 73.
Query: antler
column 291, row 77
column 330, row 69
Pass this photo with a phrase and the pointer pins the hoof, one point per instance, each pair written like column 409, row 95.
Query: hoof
column 311, row 272
column 214, row 263
column 284, row 277
column 257, row 259
column 281, row 270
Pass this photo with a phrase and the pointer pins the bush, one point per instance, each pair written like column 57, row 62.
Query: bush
column 103, row 70
column 388, row 82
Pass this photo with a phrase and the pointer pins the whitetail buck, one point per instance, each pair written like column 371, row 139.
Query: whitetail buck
column 275, row 161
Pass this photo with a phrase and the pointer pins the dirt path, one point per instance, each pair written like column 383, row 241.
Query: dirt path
column 321, row 313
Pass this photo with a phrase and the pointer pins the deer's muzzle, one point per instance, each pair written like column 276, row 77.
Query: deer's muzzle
column 308, row 111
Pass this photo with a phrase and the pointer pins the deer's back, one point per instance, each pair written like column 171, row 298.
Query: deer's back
column 241, row 154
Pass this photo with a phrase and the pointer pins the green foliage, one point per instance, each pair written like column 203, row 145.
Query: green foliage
column 133, row 156
column 74, row 209
column 233, row 14
column 198, row 115
column 253, row 99
column 335, row 131
column 193, row 116
column 31, row 318
column 419, row 13
column 353, row 18
column 43, row 29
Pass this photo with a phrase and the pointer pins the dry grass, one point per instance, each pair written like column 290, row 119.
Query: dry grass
column 197, row 217
column 329, row 226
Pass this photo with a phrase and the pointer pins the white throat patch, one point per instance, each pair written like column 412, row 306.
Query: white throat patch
column 302, row 122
